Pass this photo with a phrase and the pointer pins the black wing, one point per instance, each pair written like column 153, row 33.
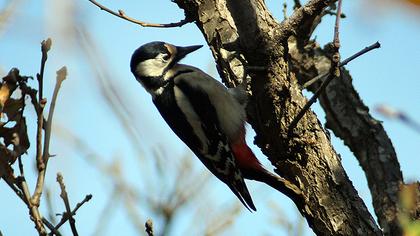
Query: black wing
column 206, row 138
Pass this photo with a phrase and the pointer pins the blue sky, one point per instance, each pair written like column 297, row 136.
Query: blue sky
column 385, row 76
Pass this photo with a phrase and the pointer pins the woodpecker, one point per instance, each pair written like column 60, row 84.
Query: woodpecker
column 208, row 117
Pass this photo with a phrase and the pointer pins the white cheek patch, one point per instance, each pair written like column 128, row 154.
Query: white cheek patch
column 151, row 68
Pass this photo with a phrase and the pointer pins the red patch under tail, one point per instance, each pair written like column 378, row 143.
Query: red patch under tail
column 245, row 158
column 252, row 169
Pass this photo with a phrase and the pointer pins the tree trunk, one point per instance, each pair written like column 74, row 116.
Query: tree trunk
column 248, row 43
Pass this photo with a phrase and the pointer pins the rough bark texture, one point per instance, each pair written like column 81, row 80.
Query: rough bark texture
column 350, row 120
column 247, row 42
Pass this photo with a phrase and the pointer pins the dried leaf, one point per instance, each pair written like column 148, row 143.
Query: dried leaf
column 16, row 136
column 13, row 108
column 6, row 170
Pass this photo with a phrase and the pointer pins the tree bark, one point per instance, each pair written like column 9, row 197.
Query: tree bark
column 248, row 43
column 348, row 117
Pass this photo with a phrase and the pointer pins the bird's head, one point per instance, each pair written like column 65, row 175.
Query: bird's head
column 155, row 58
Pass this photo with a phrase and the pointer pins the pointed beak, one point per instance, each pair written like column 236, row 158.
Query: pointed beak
column 181, row 52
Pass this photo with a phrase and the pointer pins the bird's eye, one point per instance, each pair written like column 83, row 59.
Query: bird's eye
column 166, row 56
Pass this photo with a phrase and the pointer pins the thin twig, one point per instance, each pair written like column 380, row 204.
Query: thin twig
column 40, row 122
column 65, row 198
column 337, row 30
column 297, row 4
column 345, row 62
column 15, row 189
column 33, row 206
column 361, row 52
column 45, row 47
column 121, row 14
column 61, row 76
column 33, row 209
column 32, row 94
column 36, row 197
column 285, row 10
column 72, row 213
column 51, row 227
column 334, row 71
column 149, row 227
column 299, row 17
column 25, row 200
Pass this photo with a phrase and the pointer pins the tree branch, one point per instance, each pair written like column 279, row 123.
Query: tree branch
column 245, row 30
column 33, row 209
column 64, row 196
column 72, row 213
column 299, row 17
column 121, row 14
column 45, row 47
column 349, row 118
column 334, row 71
column 61, row 76
column 149, row 227
column 343, row 63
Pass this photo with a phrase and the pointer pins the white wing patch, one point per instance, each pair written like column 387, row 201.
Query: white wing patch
column 192, row 117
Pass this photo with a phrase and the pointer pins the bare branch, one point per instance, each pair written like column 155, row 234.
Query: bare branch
column 39, row 161
column 334, row 71
column 149, row 227
column 337, row 33
column 14, row 188
column 350, row 120
column 68, row 215
column 345, row 62
column 121, row 14
column 50, row 226
column 43, row 160
column 65, row 198
column 274, row 97
column 297, row 4
column 45, row 47
column 72, row 213
column 61, row 76
column 285, row 10
column 33, row 209
column 300, row 15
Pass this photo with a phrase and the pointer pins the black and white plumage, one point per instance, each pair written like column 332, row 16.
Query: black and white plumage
column 204, row 114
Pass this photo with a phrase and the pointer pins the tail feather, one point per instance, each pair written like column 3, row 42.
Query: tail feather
column 276, row 182
column 252, row 169
column 244, row 196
